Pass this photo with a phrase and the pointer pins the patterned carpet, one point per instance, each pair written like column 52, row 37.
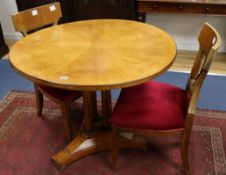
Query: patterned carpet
column 27, row 143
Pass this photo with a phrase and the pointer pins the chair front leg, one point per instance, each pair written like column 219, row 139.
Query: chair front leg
column 39, row 100
column 114, row 148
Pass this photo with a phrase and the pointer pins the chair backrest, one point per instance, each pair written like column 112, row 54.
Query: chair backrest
column 36, row 18
column 209, row 43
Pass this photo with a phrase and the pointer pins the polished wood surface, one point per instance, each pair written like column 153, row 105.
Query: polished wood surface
column 209, row 42
column 103, row 9
column 94, row 55
column 208, row 7
column 183, row 62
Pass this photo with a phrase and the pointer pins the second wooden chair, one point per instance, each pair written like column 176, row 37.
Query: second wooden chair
column 156, row 108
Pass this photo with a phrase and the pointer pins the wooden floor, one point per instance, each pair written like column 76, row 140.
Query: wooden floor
column 184, row 61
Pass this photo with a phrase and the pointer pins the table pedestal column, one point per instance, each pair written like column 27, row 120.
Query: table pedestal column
column 93, row 136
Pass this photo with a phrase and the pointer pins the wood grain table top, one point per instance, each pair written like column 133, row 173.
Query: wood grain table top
column 94, row 54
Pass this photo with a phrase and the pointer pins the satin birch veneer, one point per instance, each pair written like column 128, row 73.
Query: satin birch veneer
column 95, row 54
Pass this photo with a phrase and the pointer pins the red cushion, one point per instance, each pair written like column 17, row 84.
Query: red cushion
column 151, row 106
column 60, row 94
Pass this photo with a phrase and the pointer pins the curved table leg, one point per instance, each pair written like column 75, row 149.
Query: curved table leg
column 91, row 138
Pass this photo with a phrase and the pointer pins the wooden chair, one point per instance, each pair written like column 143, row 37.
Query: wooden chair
column 162, row 109
column 36, row 19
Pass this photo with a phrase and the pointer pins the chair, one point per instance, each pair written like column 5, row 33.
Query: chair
column 161, row 109
column 35, row 19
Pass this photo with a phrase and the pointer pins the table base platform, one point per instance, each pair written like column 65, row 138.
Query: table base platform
column 84, row 145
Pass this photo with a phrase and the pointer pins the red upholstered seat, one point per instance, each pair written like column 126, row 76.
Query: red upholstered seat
column 60, row 94
column 151, row 106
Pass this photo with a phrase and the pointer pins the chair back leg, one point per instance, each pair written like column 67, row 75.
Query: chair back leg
column 39, row 100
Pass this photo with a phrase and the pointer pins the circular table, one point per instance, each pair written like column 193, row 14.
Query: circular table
column 93, row 55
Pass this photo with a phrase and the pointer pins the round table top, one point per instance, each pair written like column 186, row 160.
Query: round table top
column 94, row 54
